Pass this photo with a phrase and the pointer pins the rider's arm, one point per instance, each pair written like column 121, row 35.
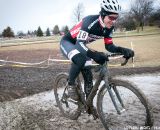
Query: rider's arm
column 116, row 49
column 109, row 44
column 112, row 48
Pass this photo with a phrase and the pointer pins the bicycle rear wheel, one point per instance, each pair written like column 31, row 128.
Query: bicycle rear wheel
column 136, row 111
column 68, row 107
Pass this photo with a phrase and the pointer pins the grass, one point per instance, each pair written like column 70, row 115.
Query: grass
column 147, row 47
column 147, row 30
column 32, row 40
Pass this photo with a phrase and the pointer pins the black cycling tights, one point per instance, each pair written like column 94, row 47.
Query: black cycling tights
column 87, row 75
column 77, row 66
column 88, row 80
column 79, row 61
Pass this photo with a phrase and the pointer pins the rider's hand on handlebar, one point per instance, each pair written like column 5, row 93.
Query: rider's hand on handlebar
column 98, row 57
column 128, row 53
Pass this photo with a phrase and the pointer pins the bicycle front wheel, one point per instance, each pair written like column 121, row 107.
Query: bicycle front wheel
column 135, row 111
column 68, row 107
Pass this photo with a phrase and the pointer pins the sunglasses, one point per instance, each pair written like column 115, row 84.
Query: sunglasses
column 112, row 18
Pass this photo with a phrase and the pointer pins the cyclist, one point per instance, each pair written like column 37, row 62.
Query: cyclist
column 90, row 28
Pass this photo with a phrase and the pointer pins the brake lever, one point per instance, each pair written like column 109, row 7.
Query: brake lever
column 125, row 62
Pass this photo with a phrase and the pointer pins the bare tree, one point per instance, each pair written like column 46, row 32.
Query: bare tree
column 125, row 22
column 78, row 12
column 140, row 10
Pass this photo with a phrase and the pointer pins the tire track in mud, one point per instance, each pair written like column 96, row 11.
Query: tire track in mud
column 21, row 82
column 39, row 112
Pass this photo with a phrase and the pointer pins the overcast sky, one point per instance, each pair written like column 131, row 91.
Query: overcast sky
column 24, row 15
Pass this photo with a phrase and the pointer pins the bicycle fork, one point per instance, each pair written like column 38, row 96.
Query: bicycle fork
column 114, row 94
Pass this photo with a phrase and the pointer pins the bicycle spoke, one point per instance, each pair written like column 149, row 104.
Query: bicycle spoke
column 135, row 113
column 68, row 107
column 64, row 99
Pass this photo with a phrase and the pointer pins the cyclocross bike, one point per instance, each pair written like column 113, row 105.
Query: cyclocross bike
column 119, row 103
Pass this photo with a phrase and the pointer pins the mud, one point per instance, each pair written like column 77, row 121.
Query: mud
column 39, row 112
column 27, row 101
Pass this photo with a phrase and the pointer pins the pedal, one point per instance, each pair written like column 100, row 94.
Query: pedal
column 73, row 101
column 121, row 111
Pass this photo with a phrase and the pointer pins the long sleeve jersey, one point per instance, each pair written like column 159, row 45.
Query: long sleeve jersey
column 90, row 29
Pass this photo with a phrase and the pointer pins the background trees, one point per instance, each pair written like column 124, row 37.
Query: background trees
column 126, row 22
column 141, row 13
column 78, row 12
column 39, row 32
column 155, row 18
column 141, row 10
column 8, row 32
column 65, row 29
column 56, row 30
column 48, row 32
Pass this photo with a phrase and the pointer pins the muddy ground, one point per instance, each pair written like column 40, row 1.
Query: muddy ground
column 40, row 112
column 21, row 81
column 17, row 82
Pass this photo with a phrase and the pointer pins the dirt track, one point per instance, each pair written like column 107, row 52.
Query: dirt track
column 39, row 112
column 19, row 82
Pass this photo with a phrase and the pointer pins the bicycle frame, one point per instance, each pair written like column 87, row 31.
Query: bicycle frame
column 113, row 88
column 104, row 76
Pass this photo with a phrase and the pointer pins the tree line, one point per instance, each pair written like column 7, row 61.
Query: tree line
column 8, row 32
column 140, row 14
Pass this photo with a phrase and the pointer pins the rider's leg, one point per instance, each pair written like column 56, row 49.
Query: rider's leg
column 78, row 60
column 88, row 85
column 70, row 52
column 88, row 80
column 78, row 63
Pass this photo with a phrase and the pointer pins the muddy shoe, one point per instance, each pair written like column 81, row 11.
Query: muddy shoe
column 72, row 92
column 92, row 110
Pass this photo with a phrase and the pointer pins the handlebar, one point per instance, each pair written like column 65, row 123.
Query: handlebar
column 116, row 56
column 111, row 57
